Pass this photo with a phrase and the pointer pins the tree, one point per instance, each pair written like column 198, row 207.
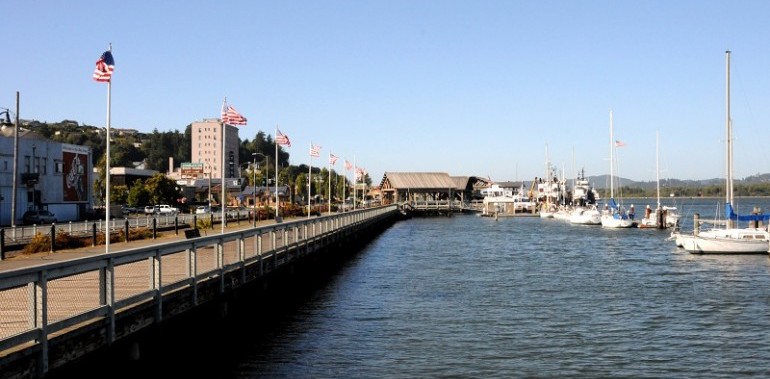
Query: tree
column 162, row 190
column 124, row 153
column 300, row 185
column 160, row 146
column 138, row 195
column 118, row 194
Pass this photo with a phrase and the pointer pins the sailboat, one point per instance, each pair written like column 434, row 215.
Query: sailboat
column 614, row 216
column 547, row 191
column 730, row 240
column 660, row 217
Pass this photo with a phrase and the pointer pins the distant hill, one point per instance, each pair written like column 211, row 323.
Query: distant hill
column 603, row 181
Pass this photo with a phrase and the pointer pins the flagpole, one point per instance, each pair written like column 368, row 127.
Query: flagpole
column 107, row 167
column 276, row 175
column 355, row 182
column 222, row 164
column 330, row 183
column 309, row 179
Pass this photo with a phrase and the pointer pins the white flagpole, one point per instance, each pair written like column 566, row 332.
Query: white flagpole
column 330, row 183
column 309, row 179
column 276, row 175
column 355, row 182
column 107, row 169
column 222, row 164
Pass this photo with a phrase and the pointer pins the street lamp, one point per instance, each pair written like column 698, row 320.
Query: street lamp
column 7, row 122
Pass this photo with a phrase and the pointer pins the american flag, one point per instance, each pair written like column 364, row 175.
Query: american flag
column 104, row 67
column 348, row 165
column 231, row 116
column 282, row 139
column 332, row 159
column 315, row 151
column 619, row 143
column 360, row 172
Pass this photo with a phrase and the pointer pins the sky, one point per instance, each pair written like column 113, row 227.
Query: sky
column 472, row 88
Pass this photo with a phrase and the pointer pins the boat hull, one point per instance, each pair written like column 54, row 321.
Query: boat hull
column 586, row 217
column 727, row 241
column 616, row 221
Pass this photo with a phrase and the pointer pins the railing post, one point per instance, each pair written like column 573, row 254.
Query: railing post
column 2, row 244
column 195, row 222
column 93, row 234
column 176, row 225
column 154, row 228
column 212, row 220
column 53, row 237
column 126, row 230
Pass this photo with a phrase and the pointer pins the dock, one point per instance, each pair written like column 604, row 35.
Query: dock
column 62, row 310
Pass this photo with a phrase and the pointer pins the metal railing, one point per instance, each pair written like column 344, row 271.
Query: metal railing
column 19, row 235
column 43, row 301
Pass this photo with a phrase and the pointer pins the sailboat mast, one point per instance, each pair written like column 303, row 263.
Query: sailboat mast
column 612, row 182
column 728, row 139
column 657, row 165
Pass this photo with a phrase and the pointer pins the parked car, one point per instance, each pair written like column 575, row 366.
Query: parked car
column 203, row 209
column 150, row 210
column 38, row 216
column 167, row 209
column 129, row 210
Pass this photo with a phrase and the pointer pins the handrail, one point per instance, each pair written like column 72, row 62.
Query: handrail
column 23, row 234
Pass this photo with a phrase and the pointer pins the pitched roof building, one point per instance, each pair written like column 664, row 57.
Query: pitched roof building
column 424, row 186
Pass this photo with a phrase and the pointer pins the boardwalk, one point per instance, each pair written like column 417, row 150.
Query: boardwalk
column 48, row 295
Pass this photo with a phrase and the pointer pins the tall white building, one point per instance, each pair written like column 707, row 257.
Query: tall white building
column 207, row 148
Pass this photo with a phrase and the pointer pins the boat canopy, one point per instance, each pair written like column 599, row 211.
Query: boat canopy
column 730, row 213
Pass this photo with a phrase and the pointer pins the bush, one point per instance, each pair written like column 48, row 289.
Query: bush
column 66, row 241
column 204, row 223
column 38, row 244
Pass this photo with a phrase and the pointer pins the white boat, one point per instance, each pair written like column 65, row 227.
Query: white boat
column 586, row 215
column 661, row 217
column 549, row 190
column 615, row 216
column 563, row 213
column 730, row 240
column 499, row 201
column 582, row 192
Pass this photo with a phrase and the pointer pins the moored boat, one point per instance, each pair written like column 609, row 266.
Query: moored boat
column 730, row 240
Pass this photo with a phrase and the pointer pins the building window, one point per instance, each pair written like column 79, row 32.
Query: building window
column 45, row 166
column 26, row 163
column 58, row 166
column 37, row 164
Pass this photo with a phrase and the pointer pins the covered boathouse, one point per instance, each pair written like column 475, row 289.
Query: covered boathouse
column 427, row 191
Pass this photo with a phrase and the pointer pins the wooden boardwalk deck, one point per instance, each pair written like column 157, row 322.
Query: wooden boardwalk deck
column 71, row 294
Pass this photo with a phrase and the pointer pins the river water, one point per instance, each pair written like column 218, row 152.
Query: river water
column 474, row 297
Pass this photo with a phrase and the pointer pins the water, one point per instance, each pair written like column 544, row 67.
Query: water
column 474, row 297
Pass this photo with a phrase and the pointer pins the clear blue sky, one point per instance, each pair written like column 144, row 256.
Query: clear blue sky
column 463, row 87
